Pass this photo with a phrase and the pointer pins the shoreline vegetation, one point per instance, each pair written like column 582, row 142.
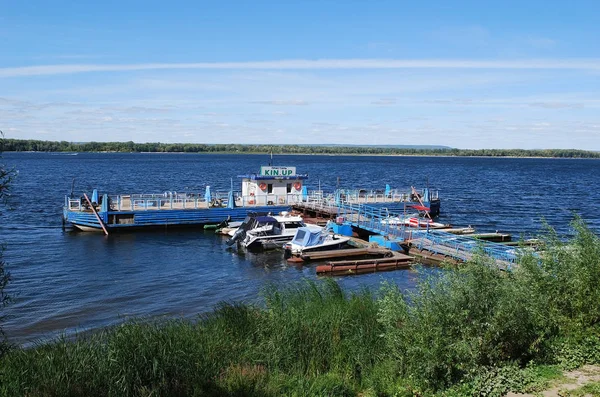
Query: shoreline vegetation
column 463, row 330
column 17, row 145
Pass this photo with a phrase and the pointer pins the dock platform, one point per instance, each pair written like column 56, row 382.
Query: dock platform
column 361, row 266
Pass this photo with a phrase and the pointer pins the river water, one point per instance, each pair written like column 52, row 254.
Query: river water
column 66, row 282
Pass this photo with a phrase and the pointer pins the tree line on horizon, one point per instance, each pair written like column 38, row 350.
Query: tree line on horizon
column 29, row 145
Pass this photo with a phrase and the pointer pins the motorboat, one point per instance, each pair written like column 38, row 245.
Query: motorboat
column 266, row 231
column 311, row 239
column 413, row 220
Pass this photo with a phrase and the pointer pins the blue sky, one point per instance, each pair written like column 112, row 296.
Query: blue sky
column 467, row 74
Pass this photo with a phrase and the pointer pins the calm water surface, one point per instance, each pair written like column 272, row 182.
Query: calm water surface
column 64, row 281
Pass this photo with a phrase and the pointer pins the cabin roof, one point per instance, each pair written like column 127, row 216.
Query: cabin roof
column 265, row 219
column 272, row 178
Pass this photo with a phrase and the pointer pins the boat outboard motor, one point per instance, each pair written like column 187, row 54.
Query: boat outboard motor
column 239, row 235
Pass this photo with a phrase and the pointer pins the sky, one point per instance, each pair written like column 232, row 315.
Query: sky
column 466, row 74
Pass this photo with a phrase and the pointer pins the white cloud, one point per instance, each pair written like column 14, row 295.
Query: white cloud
column 310, row 106
column 384, row 101
column 283, row 102
column 305, row 64
column 557, row 105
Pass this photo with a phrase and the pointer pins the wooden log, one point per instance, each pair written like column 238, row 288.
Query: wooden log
column 403, row 258
column 96, row 213
column 320, row 255
column 334, row 269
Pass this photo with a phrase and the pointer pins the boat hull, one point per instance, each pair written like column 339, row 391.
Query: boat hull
column 269, row 243
column 333, row 245
column 116, row 221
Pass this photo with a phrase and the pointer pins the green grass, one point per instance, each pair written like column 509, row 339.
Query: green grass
column 468, row 330
column 589, row 389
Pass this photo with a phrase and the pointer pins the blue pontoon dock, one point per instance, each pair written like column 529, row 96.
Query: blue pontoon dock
column 273, row 190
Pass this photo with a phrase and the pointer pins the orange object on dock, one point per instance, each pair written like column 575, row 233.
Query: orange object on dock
column 295, row 259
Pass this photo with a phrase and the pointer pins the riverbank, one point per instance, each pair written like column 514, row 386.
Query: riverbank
column 461, row 331
column 16, row 145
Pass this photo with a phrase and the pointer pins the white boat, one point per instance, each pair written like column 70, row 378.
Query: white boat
column 413, row 221
column 266, row 231
column 311, row 239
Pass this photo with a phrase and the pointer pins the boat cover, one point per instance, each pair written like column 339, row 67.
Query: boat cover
column 307, row 236
column 266, row 219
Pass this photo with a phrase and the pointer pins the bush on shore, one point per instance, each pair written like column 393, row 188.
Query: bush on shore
column 6, row 176
column 466, row 330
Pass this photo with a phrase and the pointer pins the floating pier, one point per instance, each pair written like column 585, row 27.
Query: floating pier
column 273, row 190
column 430, row 244
column 345, row 253
column 463, row 248
column 351, row 267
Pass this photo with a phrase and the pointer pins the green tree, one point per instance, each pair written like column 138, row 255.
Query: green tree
column 6, row 175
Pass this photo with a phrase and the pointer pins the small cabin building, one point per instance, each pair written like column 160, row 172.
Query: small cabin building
column 274, row 185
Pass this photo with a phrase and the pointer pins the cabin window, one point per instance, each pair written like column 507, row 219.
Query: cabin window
column 270, row 188
column 289, row 187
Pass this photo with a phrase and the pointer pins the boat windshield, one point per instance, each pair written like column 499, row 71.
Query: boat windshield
column 306, row 237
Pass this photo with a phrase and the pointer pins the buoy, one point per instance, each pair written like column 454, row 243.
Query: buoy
column 262, row 186
column 250, row 201
column 297, row 185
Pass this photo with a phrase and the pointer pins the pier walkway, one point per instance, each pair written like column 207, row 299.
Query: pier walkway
column 462, row 248
column 390, row 225
column 378, row 220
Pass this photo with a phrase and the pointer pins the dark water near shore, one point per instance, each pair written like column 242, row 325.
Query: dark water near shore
column 77, row 281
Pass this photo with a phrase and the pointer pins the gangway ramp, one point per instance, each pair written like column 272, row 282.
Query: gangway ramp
column 377, row 220
column 463, row 248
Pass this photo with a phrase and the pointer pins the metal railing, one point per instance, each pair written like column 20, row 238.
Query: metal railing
column 393, row 195
column 173, row 200
column 375, row 219
column 462, row 247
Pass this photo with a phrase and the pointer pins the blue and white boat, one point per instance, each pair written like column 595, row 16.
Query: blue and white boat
column 267, row 232
column 312, row 239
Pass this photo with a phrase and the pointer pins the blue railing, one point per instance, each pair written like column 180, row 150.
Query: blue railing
column 375, row 219
column 461, row 247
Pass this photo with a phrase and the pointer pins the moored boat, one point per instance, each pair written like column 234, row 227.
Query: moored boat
column 312, row 239
column 267, row 231
column 414, row 221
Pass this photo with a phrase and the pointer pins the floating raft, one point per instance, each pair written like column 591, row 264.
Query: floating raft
column 275, row 189
column 351, row 267
column 344, row 253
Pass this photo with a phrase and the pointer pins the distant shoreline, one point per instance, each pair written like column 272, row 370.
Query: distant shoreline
column 15, row 145
column 318, row 154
